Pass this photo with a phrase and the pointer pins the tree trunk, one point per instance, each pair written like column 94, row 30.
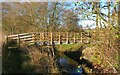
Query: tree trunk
column 109, row 12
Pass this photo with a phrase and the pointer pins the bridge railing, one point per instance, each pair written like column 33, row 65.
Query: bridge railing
column 28, row 37
column 52, row 37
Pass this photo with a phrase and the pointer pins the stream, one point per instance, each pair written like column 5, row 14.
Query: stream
column 68, row 65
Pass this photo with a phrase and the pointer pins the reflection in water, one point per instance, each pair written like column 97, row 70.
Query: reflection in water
column 67, row 67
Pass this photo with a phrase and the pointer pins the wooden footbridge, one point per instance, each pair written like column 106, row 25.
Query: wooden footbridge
column 50, row 37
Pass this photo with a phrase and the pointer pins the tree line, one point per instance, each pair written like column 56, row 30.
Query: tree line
column 32, row 17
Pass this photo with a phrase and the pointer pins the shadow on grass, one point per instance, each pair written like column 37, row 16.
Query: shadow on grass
column 76, row 56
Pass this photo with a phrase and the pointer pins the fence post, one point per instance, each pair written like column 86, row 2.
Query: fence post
column 67, row 41
column 59, row 38
column 51, row 38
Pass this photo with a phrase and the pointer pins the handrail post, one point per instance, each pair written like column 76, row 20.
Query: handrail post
column 59, row 38
column 77, row 37
column 33, row 36
column 89, row 37
column 81, row 38
column 74, row 37
column 51, row 38
column 40, row 37
column 43, row 34
column 19, row 40
column 6, row 39
column 67, row 41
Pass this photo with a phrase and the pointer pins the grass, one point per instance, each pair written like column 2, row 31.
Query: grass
column 68, row 47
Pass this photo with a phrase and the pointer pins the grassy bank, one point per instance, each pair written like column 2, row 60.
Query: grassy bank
column 69, row 47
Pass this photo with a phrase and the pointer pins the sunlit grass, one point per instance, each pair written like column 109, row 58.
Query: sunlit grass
column 69, row 47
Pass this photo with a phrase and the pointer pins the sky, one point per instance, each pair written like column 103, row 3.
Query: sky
column 92, row 23
column 86, row 23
